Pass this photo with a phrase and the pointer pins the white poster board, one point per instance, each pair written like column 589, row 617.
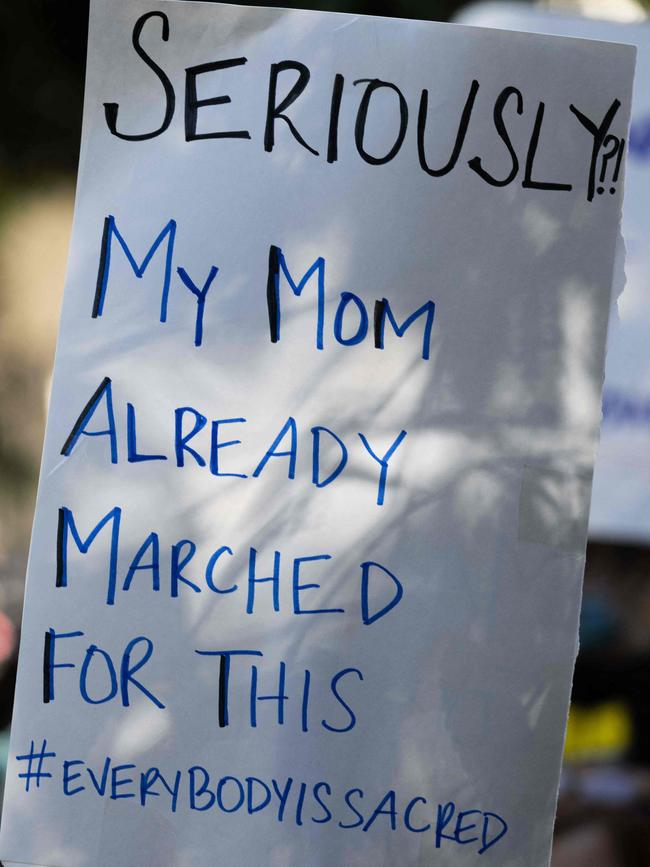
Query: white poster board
column 307, row 555
column 620, row 505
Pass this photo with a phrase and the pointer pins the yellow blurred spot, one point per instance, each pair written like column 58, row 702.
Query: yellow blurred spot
column 598, row 734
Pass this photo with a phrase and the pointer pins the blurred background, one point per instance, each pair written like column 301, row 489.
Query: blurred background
column 604, row 811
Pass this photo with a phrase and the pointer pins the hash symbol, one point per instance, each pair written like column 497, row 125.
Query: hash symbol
column 35, row 757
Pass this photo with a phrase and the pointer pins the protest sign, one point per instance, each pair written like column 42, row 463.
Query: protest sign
column 620, row 505
column 308, row 548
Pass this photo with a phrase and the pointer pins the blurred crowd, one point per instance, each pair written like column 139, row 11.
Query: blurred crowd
column 604, row 809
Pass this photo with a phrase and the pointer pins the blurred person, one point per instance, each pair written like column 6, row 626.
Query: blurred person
column 8, row 659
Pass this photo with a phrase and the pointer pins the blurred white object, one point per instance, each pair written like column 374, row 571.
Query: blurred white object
column 614, row 10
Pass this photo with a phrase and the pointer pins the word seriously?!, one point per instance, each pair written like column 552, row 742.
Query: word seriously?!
column 287, row 800
column 289, row 82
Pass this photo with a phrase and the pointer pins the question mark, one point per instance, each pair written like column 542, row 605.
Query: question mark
column 612, row 146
